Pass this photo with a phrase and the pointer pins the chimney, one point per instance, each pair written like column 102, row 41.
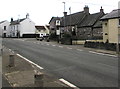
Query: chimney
column 65, row 14
column 11, row 19
column 27, row 15
column 86, row 9
column 101, row 10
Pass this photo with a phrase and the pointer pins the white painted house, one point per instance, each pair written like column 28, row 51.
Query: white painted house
column 4, row 28
column 22, row 27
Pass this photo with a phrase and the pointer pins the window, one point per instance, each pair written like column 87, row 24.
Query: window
column 105, row 24
column 4, row 27
column 14, row 27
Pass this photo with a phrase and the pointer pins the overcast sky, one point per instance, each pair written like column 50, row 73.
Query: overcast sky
column 41, row 11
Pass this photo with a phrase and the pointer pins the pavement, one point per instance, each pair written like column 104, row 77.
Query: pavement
column 22, row 74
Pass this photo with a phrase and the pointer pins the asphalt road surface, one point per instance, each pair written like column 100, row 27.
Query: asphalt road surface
column 81, row 68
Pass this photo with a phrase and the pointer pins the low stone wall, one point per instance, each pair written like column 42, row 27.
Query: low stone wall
column 101, row 45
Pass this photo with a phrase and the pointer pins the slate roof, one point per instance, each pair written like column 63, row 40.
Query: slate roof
column 111, row 15
column 53, row 19
column 91, row 20
column 17, row 21
column 39, row 27
column 81, row 19
column 2, row 22
column 98, row 24
column 73, row 18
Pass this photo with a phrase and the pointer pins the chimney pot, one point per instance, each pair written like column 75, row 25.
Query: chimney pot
column 101, row 10
column 86, row 9
column 65, row 13
column 11, row 19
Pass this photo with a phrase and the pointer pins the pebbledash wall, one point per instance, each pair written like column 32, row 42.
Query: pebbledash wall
column 110, row 31
column 27, row 27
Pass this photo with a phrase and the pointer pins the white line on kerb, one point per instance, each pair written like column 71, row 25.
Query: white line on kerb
column 102, row 54
column 30, row 61
column 54, row 45
column 68, row 83
column 61, row 46
column 47, row 44
column 79, row 49
column 69, row 48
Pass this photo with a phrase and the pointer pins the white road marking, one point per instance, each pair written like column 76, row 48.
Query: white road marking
column 8, row 80
column 30, row 61
column 47, row 44
column 60, row 46
column 9, row 49
column 79, row 49
column 53, row 45
column 69, row 48
column 110, row 55
column 68, row 83
column 102, row 54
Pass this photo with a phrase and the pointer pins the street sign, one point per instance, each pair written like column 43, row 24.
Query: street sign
column 57, row 32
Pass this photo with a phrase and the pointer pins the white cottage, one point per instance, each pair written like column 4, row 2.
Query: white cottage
column 4, row 28
column 22, row 27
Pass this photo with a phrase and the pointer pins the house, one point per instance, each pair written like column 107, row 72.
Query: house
column 22, row 27
column 42, row 30
column 111, row 26
column 52, row 24
column 83, row 25
column 4, row 27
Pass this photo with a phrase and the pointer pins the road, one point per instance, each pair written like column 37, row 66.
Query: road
column 79, row 67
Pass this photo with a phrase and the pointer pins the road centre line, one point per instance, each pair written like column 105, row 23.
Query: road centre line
column 30, row 61
column 68, row 83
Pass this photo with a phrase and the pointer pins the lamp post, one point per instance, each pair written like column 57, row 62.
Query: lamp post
column 64, row 12
column 64, row 6
column 70, row 25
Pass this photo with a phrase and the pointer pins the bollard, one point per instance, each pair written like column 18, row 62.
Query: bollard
column 11, row 60
column 38, row 79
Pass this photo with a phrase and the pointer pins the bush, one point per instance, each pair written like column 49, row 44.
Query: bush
column 53, row 36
